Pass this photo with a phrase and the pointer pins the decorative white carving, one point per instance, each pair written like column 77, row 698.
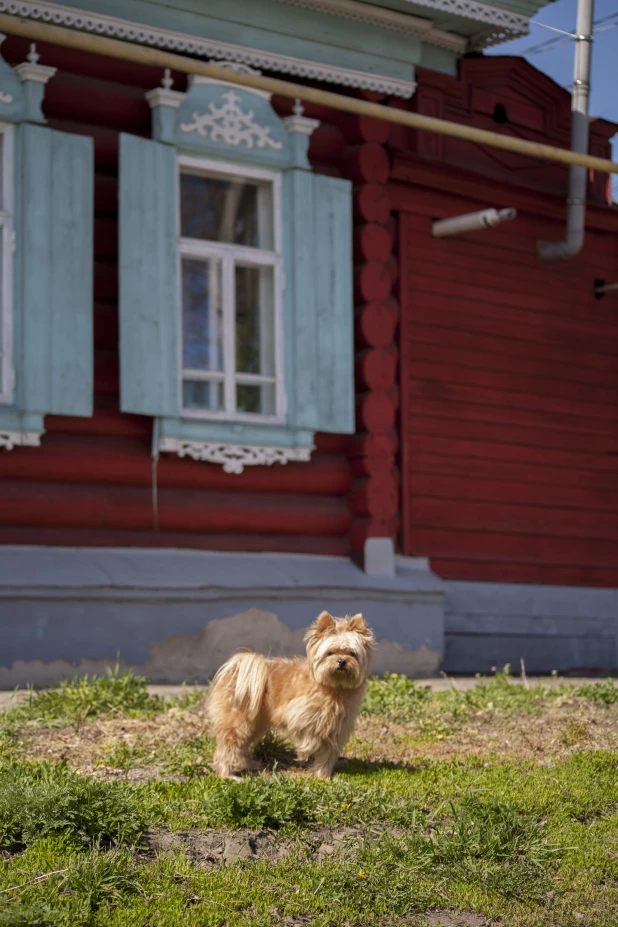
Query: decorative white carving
column 11, row 439
column 6, row 97
column 231, row 124
column 234, row 457
column 209, row 48
column 365, row 12
column 238, row 67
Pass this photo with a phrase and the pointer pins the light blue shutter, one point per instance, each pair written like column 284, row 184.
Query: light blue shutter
column 334, row 304
column 148, row 269
column 300, row 323
column 320, row 302
column 54, row 229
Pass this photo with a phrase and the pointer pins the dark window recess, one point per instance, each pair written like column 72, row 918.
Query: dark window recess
column 500, row 114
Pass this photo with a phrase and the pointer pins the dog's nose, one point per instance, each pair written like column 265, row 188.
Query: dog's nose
column 341, row 664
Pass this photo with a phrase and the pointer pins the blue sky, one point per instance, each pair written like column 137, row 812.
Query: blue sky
column 558, row 61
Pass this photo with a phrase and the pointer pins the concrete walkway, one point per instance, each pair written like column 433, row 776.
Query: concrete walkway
column 440, row 684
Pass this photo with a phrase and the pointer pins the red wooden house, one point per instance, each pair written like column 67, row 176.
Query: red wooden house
column 470, row 511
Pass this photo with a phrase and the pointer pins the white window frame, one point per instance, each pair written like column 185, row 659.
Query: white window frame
column 7, row 373
column 229, row 255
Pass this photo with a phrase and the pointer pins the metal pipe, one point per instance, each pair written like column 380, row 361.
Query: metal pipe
column 471, row 222
column 126, row 51
column 580, row 124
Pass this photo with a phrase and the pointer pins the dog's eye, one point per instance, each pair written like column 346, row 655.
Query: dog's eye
column 329, row 654
column 351, row 653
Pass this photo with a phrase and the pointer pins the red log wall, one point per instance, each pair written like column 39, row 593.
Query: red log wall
column 509, row 364
column 90, row 483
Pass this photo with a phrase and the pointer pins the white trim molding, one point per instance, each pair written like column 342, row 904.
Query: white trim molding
column 11, row 439
column 234, row 457
column 510, row 25
column 141, row 34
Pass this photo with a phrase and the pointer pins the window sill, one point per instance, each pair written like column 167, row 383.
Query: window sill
column 12, row 439
column 234, row 445
column 234, row 457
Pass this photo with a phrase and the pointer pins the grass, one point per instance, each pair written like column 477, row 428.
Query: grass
column 73, row 701
column 499, row 802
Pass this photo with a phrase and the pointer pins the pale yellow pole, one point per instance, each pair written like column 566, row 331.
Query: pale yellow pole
column 141, row 54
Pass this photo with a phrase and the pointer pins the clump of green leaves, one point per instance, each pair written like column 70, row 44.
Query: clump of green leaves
column 46, row 799
column 603, row 693
column 395, row 696
column 96, row 878
column 72, row 701
column 260, row 802
column 500, row 692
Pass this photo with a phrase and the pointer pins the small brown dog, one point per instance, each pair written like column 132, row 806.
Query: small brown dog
column 312, row 700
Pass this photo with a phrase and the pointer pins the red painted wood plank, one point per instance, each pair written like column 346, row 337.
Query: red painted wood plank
column 86, row 537
column 437, row 389
column 122, row 461
column 526, row 370
column 56, row 505
column 512, row 325
column 501, row 300
column 511, row 453
column 481, row 546
column 524, row 473
column 507, row 433
column 107, row 420
column 498, row 489
column 602, row 368
column 516, row 520
column 535, row 418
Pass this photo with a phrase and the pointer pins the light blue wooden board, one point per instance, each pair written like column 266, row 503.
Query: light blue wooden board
column 334, row 303
column 275, row 27
column 54, row 229
column 148, row 271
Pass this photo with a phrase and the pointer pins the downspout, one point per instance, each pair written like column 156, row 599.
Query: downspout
column 578, row 176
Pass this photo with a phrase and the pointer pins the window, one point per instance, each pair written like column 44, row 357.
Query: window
column 235, row 336
column 6, row 262
column 230, row 282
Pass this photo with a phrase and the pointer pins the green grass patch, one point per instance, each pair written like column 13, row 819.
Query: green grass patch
column 526, row 842
column 46, row 799
column 74, row 701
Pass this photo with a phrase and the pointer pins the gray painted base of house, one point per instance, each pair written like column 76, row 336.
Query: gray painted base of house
column 564, row 628
column 176, row 615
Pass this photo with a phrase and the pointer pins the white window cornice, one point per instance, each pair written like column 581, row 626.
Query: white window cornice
column 142, row 34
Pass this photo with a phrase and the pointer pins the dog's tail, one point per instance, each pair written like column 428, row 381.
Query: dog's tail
column 244, row 678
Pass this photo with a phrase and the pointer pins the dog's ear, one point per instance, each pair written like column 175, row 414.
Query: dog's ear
column 357, row 623
column 324, row 622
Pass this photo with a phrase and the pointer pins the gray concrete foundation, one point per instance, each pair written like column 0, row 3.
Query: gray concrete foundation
column 569, row 629
column 176, row 615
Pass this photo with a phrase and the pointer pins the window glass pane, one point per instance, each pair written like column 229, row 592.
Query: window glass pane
column 206, row 395
column 1, row 170
column 258, row 399
column 255, row 341
column 230, row 210
column 202, row 315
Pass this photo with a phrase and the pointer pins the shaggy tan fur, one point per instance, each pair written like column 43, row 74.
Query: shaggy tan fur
column 312, row 700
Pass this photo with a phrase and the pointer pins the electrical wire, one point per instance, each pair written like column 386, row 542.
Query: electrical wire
column 566, row 38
